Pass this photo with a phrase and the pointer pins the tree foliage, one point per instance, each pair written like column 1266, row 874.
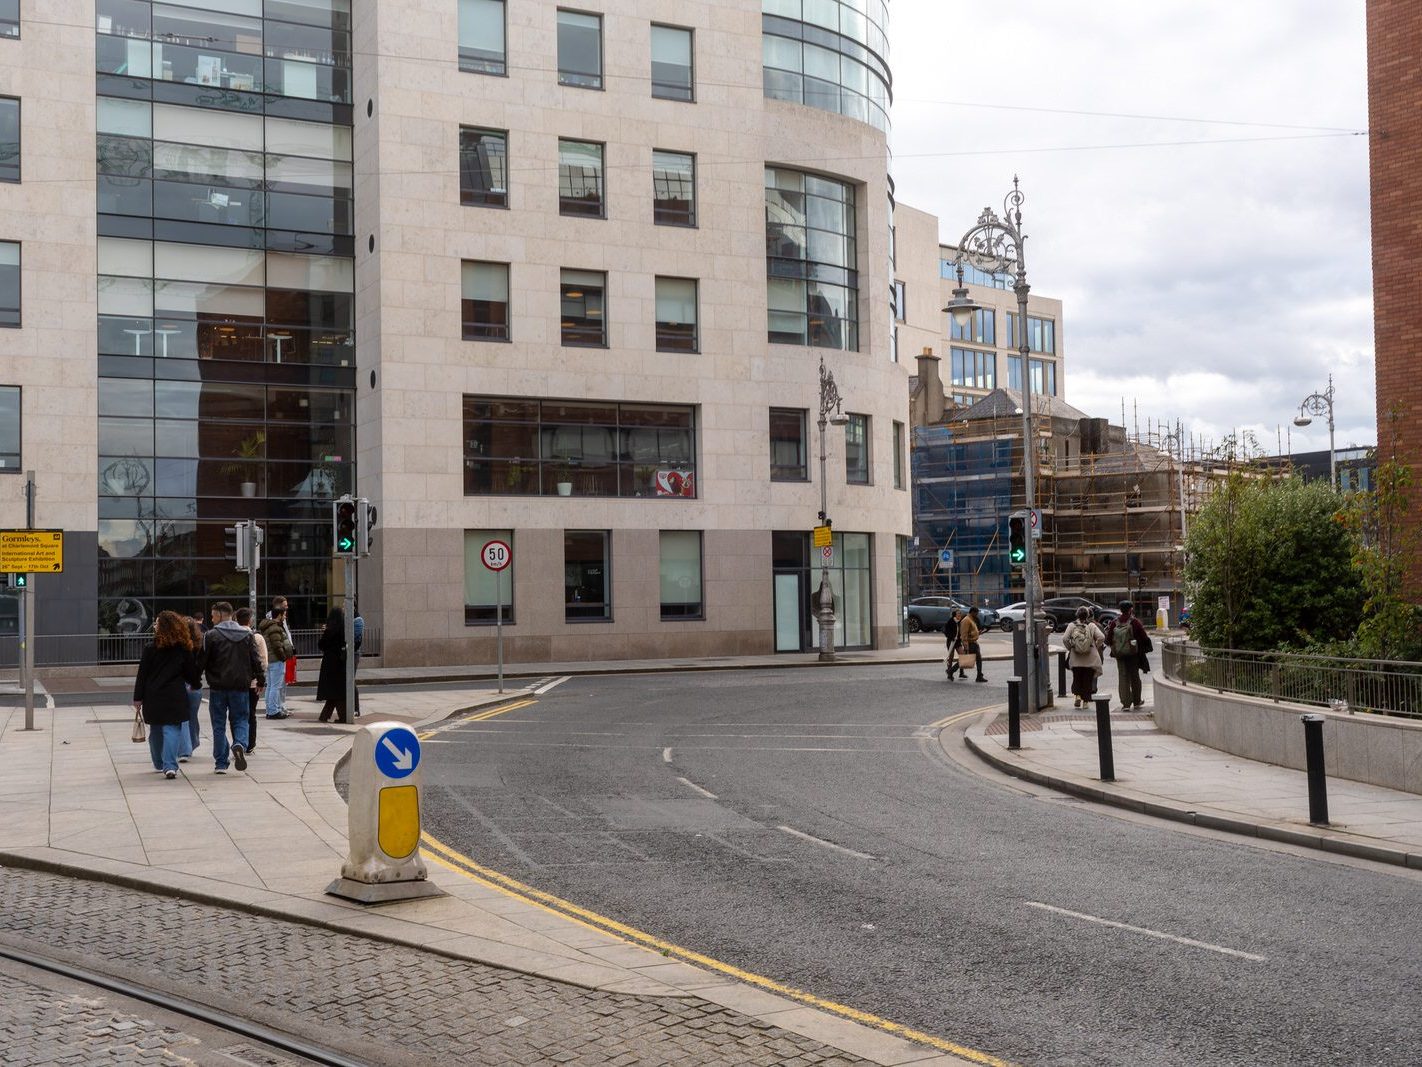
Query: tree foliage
column 1270, row 564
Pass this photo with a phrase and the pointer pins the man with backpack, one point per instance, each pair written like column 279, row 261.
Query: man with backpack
column 1128, row 641
column 1084, row 642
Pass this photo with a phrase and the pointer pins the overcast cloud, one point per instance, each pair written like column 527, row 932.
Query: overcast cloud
column 1219, row 284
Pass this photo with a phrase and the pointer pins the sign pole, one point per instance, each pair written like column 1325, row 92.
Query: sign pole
column 251, row 535
column 349, row 601
column 29, row 668
column 499, row 622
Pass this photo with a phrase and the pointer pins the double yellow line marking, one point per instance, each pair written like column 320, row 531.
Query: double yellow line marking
column 480, row 716
column 960, row 716
column 450, row 859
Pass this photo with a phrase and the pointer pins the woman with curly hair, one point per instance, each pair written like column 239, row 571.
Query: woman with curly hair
column 165, row 674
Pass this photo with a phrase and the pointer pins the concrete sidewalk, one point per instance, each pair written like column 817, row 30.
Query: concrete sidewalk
column 82, row 799
column 1166, row 776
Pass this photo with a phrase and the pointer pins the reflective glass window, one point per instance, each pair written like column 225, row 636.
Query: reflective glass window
column 9, row 139
column 672, row 63
column 483, row 167
column 9, row 283
column 485, row 591
column 580, row 170
column 679, row 571
column 676, row 315
column 856, row 450
column 811, row 260
column 482, row 48
column 584, row 321
column 673, row 188
column 9, row 18
column 579, row 49
column 587, row 575
column 788, row 448
column 10, row 435
column 485, row 301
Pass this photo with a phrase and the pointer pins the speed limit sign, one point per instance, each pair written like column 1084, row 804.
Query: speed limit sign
column 497, row 555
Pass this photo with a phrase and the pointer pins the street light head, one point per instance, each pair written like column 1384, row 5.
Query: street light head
column 839, row 419
column 962, row 307
column 1302, row 420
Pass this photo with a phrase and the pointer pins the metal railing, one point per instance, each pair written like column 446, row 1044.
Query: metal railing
column 1382, row 687
column 85, row 650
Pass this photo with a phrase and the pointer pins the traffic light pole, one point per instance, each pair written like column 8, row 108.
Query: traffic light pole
column 349, row 602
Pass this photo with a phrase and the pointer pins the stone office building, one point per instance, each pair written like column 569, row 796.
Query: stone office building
column 560, row 277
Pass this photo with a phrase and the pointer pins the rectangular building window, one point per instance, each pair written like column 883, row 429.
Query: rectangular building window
column 485, row 591
column 580, row 179
column 485, row 301
column 671, row 63
column 673, row 188
column 9, row 18
column 789, row 450
column 1014, row 373
column 898, row 455
column 812, row 283
column 9, row 139
column 1044, row 377
column 977, row 370
column 579, row 49
column 681, row 574
column 587, row 576
column 1041, row 334
column 900, row 303
column 856, row 450
column 980, row 329
column 483, row 167
column 517, row 446
column 482, row 48
column 584, row 321
column 9, row 283
column 676, row 315
column 10, row 429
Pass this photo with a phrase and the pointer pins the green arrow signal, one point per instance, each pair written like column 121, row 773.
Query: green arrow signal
column 345, row 544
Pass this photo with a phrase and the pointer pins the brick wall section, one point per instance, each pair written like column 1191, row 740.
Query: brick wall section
column 1395, row 122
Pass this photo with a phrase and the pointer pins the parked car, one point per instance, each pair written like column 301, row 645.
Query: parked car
column 930, row 613
column 1009, row 616
column 1062, row 609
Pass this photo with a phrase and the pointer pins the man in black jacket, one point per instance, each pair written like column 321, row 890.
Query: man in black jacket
column 231, row 661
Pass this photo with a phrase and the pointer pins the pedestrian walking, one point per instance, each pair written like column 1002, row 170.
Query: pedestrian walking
column 160, row 691
column 1128, row 641
column 276, row 637
column 245, row 617
column 331, row 682
column 195, row 635
column 951, row 633
column 1084, row 642
column 968, row 634
column 231, row 662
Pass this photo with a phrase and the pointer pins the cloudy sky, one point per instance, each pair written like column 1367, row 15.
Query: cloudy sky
column 1215, row 283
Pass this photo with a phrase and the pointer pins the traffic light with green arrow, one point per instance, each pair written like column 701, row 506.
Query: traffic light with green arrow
column 343, row 518
column 1017, row 539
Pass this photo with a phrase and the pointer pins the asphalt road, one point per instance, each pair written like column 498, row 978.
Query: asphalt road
column 806, row 825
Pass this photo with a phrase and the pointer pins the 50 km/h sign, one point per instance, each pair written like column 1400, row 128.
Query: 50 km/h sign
column 497, row 555
column 31, row 551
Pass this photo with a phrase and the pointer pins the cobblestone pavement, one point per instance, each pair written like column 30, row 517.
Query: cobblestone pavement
column 383, row 1003
column 42, row 1026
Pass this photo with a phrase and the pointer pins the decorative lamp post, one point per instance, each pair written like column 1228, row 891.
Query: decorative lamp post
column 995, row 246
column 824, row 598
column 1321, row 404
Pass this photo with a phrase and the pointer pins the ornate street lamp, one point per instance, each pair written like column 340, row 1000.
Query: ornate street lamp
column 1321, row 404
column 995, row 246
column 824, row 598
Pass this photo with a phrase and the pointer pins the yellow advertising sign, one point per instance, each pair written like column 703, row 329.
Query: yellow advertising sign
column 31, row 551
column 824, row 537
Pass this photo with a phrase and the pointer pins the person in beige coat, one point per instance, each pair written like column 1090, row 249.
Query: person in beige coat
column 968, row 634
column 1084, row 641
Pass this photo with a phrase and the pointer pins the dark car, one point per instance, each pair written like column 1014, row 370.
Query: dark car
column 1062, row 609
column 929, row 613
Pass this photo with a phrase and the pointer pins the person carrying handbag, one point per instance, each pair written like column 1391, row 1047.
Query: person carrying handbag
column 160, row 690
column 970, row 653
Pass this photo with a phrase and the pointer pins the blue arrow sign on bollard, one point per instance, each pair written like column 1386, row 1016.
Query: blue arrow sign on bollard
column 398, row 753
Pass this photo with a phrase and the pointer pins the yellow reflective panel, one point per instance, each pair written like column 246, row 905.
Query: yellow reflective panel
column 399, row 820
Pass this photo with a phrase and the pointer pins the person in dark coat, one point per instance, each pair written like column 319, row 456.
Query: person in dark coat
column 331, row 682
column 165, row 673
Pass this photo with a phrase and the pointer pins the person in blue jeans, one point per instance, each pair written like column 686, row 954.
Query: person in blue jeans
column 160, row 690
column 231, row 662
column 279, row 649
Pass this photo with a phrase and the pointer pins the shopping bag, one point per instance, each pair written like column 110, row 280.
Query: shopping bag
column 967, row 660
column 290, row 670
column 140, row 728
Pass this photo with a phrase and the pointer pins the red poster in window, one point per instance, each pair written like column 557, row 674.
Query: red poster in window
column 676, row 483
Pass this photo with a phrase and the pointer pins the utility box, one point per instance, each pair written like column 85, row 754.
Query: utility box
column 1019, row 661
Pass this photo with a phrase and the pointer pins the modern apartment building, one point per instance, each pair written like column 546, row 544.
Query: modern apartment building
column 557, row 276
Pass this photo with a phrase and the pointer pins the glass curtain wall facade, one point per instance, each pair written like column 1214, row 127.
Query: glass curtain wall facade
column 829, row 54
column 226, row 299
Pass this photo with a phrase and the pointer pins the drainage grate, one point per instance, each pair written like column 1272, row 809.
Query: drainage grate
column 257, row 1057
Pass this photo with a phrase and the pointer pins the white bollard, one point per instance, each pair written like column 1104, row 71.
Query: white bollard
column 384, row 812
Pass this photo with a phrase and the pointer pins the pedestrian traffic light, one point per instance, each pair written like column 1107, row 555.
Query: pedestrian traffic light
column 343, row 519
column 366, row 526
column 17, row 581
column 1017, row 539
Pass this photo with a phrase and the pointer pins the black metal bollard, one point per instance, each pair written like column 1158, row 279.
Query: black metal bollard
column 1103, row 739
column 1317, row 783
column 1061, row 673
column 1014, row 713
